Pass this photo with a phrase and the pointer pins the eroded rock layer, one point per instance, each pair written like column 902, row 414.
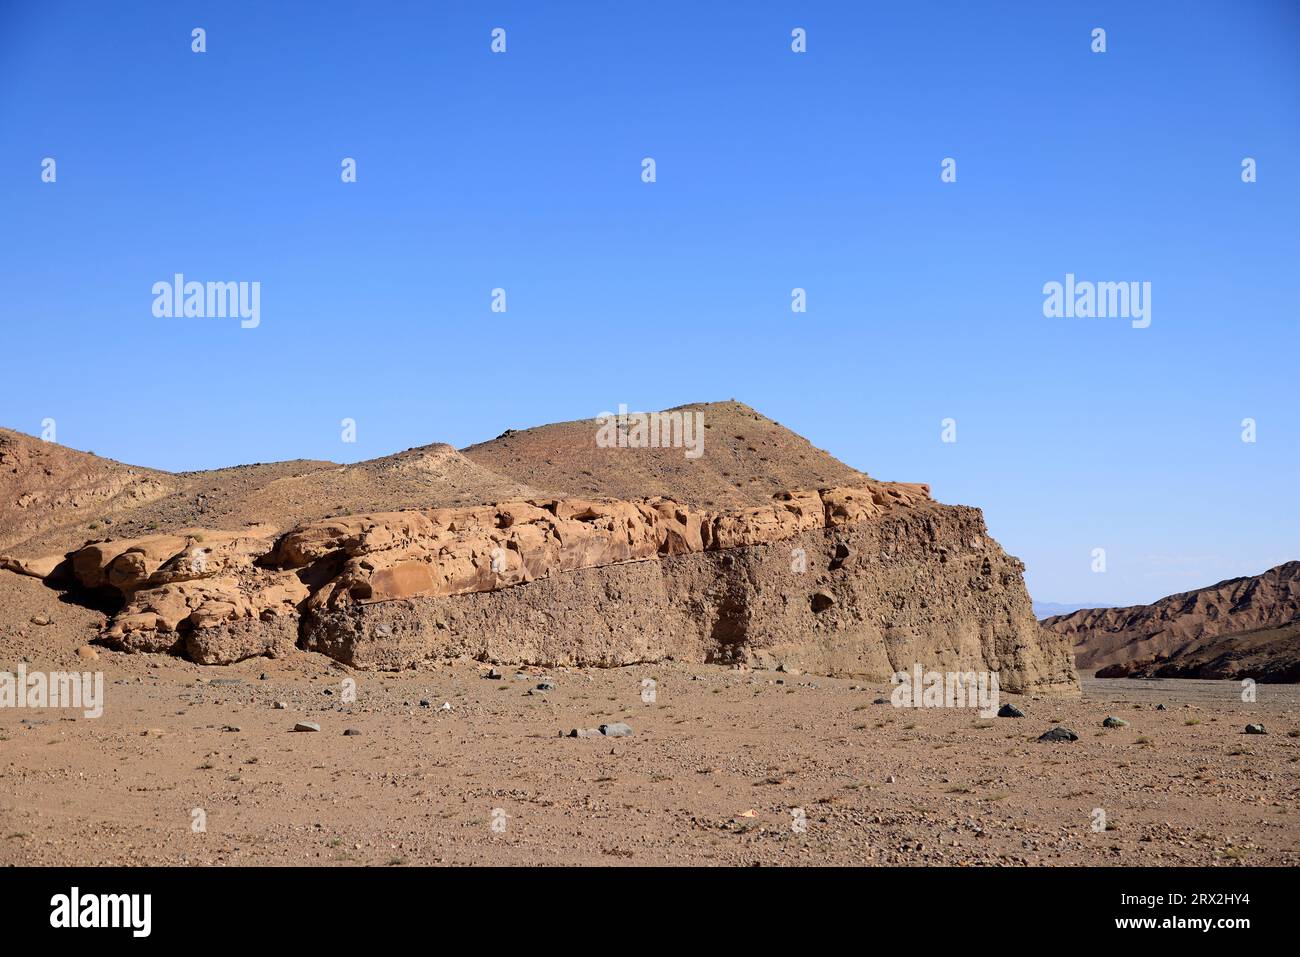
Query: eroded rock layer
column 866, row 579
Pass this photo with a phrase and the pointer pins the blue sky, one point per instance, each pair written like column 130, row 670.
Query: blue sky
column 774, row 170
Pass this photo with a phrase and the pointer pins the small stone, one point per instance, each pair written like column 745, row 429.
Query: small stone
column 42, row 620
column 1058, row 734
column 328, row 691
column 263, row 677
column 842, row 554
column 821, row 600
column 231, row 727
column 426, row 703
column 1010, row 711
column 616, row 730
column 280, row 706
column 88, row 651
column 306, row 726
column 881, row 701
column 585, row 733
column 1114, row 722
column 493, row 674
column 545, row 686
column 1161, row 707
column 1255, row 729
column 350, row 732
column 446, row 706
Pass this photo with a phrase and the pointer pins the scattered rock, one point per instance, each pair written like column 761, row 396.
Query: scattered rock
column 1255, row 729
column 1161, row 707
column 821, row 600
column 545, row 686
column 42, row 620
column 426, row 703
column 231, row 727
column 585, row 733
column 616, row 730
column 881, row 701
column 88, row 651
column 446, row 706
column 350, row 732
column 493, row 674
column 306, row 726
column 280, row 706
column 1058, row 734
column 1010, row 711
column 842, row 554
column 1114, row 722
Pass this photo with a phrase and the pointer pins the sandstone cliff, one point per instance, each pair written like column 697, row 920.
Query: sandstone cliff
column 863, row 578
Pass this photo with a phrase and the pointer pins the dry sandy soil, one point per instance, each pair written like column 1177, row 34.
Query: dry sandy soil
column 717, row 765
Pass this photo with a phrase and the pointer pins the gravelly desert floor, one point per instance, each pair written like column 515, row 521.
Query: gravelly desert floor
column 719, row 763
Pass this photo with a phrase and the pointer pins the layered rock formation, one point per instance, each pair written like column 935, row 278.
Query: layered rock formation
column 721, row 563
column 863, row 580
column 1240, row 628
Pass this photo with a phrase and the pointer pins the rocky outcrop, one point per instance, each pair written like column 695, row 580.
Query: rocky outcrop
column 867, row 579
column 1240, row 628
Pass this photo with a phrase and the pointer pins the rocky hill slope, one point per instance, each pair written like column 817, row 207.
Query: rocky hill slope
column 434, row 553
column 1240, row 628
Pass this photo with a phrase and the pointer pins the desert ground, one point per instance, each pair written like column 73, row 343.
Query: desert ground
column 719, row 762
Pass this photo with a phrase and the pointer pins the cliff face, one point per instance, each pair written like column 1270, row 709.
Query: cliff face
column 1240, row 628
column 861, row 580
column 725, row 559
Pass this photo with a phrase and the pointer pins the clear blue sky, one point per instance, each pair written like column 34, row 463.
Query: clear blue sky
column 775, row 170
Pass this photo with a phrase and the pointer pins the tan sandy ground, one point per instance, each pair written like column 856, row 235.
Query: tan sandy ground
column 419, row 786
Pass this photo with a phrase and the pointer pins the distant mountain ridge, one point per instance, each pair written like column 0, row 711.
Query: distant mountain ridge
column 1245, row 627
column 1050, row 609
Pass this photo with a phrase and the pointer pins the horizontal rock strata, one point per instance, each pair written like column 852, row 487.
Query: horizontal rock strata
column 864, row 580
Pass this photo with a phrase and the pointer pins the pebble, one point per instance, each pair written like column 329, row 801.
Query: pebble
column 616, row 730
column 42, row 620
column 306, row 726
column 1058, row 734
column 86, row 651
column 1255, row 729
column 1114, row 722
column 280, row 706
column 1010, row 711
column 351, row 732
